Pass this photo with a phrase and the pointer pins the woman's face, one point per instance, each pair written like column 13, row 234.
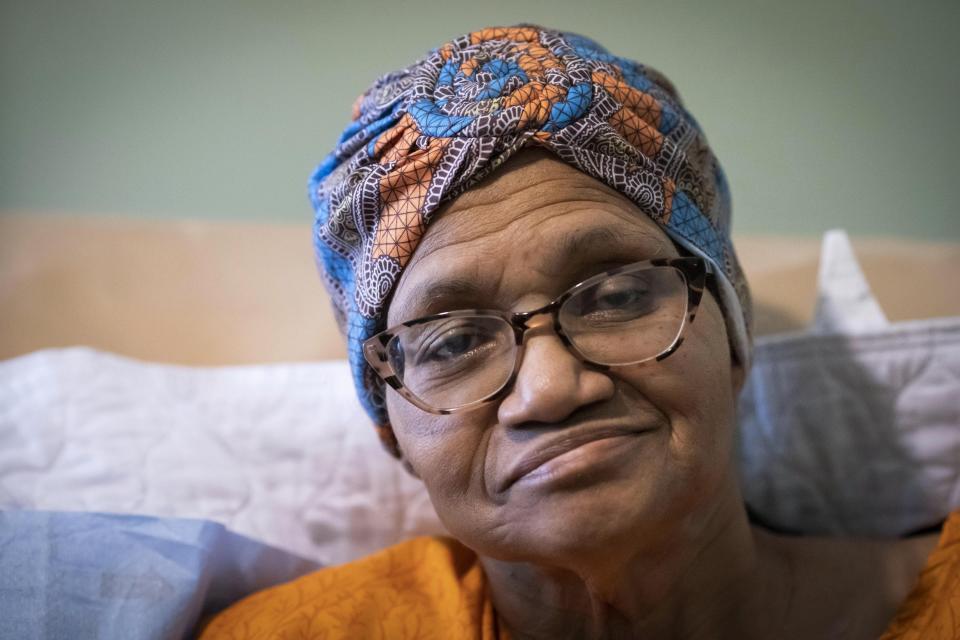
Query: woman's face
column 646, row 449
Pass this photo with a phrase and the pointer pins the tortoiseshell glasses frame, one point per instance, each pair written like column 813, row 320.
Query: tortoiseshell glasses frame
column 381, row 350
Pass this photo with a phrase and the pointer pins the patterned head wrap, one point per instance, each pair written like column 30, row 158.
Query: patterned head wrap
column 425, row 134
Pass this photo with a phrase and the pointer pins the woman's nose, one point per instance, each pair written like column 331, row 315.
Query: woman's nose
column 552, row 383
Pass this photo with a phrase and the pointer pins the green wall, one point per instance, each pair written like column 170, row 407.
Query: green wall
column 824, row 114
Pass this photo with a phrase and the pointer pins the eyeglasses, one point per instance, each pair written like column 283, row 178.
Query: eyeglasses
column 458, row 360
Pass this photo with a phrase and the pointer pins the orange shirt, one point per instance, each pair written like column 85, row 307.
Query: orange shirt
column 932, row 610
column 430, row 588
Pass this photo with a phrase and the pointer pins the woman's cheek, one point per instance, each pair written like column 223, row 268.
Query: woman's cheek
column 432, row 445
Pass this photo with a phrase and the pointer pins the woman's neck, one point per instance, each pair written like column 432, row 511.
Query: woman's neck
column 724, row 581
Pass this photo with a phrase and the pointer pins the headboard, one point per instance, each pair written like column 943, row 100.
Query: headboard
column 230, row 292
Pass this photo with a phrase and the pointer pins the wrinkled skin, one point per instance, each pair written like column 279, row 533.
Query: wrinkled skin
column 667, row 477
column 647, row 535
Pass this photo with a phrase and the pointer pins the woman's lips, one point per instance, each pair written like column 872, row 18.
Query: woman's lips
column 532, row 463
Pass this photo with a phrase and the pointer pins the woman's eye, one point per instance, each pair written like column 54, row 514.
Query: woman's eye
column 618, row 299
column 454, row 344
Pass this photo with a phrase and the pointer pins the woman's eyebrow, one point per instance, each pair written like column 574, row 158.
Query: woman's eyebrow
column 429, row 297
column 597, row 242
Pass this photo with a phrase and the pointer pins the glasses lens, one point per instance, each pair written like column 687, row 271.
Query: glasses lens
column 627, row 317
column 451, row 362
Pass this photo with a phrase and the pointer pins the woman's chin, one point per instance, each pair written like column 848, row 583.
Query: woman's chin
column 567, row 527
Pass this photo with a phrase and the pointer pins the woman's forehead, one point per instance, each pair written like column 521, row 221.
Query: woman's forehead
column 546, row 240
column 536, row 212
column 536, row 197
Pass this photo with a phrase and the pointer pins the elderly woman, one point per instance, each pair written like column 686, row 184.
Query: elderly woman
column 527, row 241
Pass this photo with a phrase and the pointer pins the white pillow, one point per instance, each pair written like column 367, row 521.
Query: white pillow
column 281, row 453
column 852, row 427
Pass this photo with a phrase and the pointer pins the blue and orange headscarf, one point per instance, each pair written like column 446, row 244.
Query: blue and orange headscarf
column 423, row 135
